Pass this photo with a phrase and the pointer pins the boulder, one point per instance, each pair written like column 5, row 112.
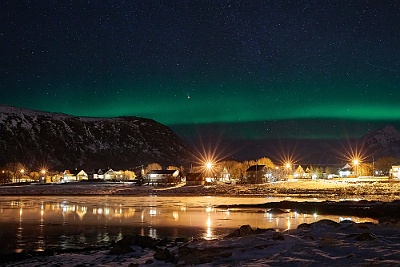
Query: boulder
column 162, row 254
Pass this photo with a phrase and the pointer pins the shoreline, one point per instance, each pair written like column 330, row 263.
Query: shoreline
column 377, row 200
column 320, row 189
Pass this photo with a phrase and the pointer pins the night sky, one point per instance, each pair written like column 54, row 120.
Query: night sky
column 246, row 69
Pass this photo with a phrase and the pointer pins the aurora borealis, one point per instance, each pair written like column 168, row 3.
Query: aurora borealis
column 256, row 69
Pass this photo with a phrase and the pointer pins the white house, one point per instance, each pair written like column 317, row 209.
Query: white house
column 395, row 172
column 346, row 171
column 164, row 177
column 74, row 176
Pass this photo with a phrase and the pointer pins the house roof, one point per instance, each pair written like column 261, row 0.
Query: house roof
column 195, row 176
column 346, row 167
column 299, row 169
column 72, row 172
column 162, row 171
column 255, row 168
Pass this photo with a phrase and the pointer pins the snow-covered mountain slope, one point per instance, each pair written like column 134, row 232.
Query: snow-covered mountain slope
column 383, row 142
column 382, row 137
column 61, row 141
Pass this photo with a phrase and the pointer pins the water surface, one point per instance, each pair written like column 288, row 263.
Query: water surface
column 36, row 223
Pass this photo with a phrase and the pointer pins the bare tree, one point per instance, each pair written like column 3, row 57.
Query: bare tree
column 152, row 167
column 16, row 171
column 384, row 164
column 5, row 176
column 267, row 162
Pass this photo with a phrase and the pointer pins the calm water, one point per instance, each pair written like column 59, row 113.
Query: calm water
column 36, row 223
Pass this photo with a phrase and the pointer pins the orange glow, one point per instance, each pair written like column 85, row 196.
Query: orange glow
column 352, row 153
column 209, row 165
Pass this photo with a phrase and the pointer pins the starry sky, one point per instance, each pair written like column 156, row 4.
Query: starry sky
column 244, row 69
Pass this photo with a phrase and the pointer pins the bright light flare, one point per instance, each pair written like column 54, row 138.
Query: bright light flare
column 352, row 153
column 209, row 165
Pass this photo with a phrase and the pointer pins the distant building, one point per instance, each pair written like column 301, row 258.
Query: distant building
column 225, row 175
column 164, row 177
column 395, row 171
column 74, row 176
column 346, row 171
column 97, row 174
column 299, row 173
column 110, row 175
column 256, row 174
column 196, row 178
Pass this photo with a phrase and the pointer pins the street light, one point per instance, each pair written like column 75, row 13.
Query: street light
column 288, row 165
column 43, row 175
column 208, row 168
column 209, row 165
column 356, row 162
column 373, row 166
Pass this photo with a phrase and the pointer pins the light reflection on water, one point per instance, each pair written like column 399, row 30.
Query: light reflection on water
column 48, row 222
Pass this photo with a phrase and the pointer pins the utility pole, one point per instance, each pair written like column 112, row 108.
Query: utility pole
column 373, row 166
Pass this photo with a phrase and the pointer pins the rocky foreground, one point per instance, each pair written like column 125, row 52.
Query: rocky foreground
column 325, row 243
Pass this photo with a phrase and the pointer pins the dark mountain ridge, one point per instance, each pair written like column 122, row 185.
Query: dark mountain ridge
column 61, row 141
column 382, row 142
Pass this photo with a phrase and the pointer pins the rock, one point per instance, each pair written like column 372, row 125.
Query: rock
column 245, row 230
column 226, row 254
column 181, row 240
column 120, row 248
column 365, row 237
column 304, row 226
column 189, row 256
column 124, row 245
column 47, row 252
column 277, row 236
column 145, row 242
column 347, row 221
column 194, row 256
column 162, row 254
column 149, row 261
column 277, row 211
column 327, row 222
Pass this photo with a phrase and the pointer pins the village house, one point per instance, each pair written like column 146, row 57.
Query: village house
column 164, row 177
column 74, row 176
column 395, row 171
column 300, row 173
column 225, row 175
column 196, row 178
column 97, row 174
column 256, row 174
column 346, row 172
column 110, row 175
column 103, row 174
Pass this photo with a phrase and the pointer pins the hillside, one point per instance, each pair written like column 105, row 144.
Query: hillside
column 61, row 141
